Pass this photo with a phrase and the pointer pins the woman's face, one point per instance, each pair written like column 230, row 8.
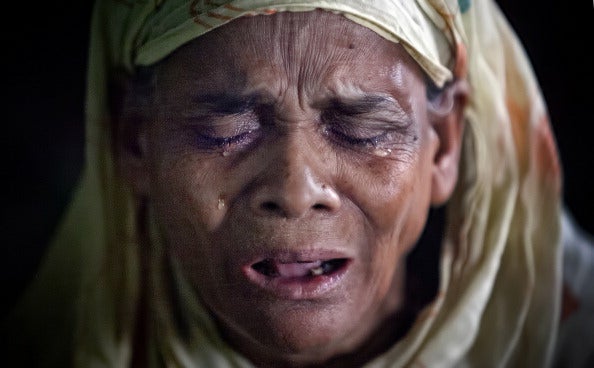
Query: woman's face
column 289, row 162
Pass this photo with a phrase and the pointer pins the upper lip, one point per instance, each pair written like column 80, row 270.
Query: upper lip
column 299, row 256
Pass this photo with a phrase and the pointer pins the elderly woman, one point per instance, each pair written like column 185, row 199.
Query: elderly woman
column 305, row 183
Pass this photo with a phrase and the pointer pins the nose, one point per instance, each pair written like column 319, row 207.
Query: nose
column 294, row 183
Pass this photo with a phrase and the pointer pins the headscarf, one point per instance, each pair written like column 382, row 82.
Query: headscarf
column 500, row 270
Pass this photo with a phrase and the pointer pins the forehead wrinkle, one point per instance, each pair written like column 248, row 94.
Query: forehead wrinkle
column 289, row 54
column 301, row 48
column 327, row 56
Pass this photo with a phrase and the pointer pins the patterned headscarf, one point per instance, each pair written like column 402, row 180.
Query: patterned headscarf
column 498, row 299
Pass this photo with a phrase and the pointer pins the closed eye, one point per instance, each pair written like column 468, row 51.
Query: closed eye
column 367, row 131
column 226, row 143
column 225, row 132
column 358, row 139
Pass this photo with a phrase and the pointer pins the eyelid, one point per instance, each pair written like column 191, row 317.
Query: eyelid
column 368, row 121
column 220, row 131
column 365, row 132
column 209, row 120
column 239, row 139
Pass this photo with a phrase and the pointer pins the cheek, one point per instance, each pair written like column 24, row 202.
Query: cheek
column 188, row 198
column 184, row 191
column 394, row 195
column 190, row 204
column 399, row 209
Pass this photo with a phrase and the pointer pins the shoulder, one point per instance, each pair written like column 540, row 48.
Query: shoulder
column 575, row 345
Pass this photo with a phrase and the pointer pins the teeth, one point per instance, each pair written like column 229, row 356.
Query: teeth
column 317, row 271
column 272, row 268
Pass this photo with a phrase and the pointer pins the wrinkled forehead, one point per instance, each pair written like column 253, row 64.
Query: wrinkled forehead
column 140, row 34
column 299, row 31
column 287, row 45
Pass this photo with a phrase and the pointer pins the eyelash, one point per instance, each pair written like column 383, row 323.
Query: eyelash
column 216, row 143
column 225, row 132
column 352, row 135
column 370, row 142
column 361, row 137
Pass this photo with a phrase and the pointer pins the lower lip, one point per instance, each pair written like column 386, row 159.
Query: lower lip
column 298, row 288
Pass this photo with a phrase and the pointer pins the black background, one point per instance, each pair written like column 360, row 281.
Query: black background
column 45, row 53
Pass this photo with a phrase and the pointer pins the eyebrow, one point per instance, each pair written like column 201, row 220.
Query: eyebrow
column 235, row 103
column 225, row 102
column 362, row 105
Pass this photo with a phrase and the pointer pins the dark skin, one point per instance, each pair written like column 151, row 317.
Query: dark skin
column 291, row 171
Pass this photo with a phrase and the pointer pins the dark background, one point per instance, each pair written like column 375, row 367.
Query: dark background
column 46, row 53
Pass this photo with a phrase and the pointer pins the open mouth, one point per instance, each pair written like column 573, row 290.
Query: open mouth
column 301, row 269
column 298, row 278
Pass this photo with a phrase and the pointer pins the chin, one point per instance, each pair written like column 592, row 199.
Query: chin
column 304, row 330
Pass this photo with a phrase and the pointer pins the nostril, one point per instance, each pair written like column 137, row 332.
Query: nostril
column 293, row 199
column 270, row 207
